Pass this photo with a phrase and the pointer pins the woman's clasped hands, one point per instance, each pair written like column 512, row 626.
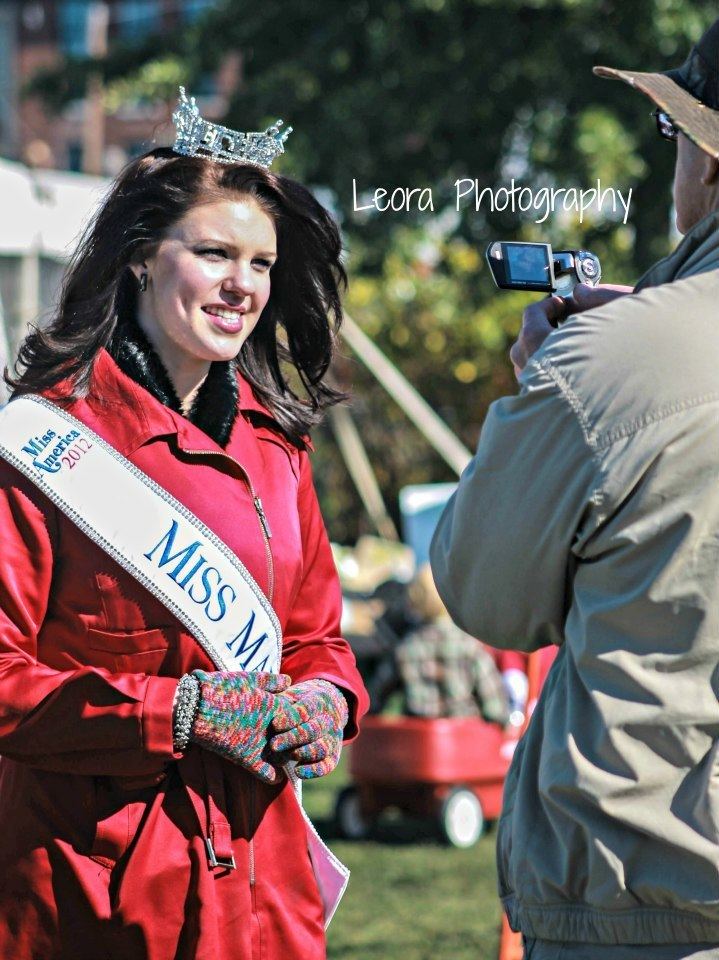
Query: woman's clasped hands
column 262, row 722
column 309, row 725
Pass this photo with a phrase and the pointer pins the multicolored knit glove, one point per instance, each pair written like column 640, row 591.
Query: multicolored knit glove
column 234, row 715
column 309, row 724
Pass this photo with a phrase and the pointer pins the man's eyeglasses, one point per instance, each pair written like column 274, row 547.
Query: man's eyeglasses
column 665, row 125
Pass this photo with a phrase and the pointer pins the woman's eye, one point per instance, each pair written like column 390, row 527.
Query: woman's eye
column 213, row 253
column 262, row 263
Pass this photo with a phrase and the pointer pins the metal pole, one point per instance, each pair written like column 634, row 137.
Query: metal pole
column 360, row 469
column 93, row 132
column 436, row 431
column 29, row 298
column 4, row 355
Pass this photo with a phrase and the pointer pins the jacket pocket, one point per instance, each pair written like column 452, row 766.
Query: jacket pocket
column 125, row 606
column 130, row 651
column 118, row 814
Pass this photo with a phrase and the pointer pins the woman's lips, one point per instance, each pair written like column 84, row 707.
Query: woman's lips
column 225, row 320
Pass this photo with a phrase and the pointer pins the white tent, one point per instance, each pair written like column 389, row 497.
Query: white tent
column 44, row 211
column 42, row 214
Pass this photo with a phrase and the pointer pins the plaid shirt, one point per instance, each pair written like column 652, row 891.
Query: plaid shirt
column 445, row 673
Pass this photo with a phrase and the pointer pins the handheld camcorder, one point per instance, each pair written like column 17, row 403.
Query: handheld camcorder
column 535, row 266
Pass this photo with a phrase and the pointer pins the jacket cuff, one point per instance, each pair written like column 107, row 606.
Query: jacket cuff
column 157, row 717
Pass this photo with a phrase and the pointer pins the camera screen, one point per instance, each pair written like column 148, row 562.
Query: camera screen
column 528, row 263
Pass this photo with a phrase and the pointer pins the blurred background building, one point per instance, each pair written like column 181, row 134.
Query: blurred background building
column 41, row 34
column 54, row 164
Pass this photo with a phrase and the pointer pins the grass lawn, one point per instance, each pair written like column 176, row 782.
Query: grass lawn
column 409, row 897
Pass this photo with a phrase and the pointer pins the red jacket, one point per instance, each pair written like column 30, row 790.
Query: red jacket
column 102, row 852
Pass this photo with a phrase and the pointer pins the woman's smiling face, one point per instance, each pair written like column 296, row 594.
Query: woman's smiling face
column 208, row 281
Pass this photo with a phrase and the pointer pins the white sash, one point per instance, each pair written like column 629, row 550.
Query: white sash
column 165, row 547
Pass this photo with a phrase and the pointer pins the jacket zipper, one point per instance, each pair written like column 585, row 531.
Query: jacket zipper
column 253, row 887
column 259, row 510
column 266, row 534
column 263, row 517
column 252, row 833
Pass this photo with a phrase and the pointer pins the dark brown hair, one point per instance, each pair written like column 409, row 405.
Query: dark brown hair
column 152, row 194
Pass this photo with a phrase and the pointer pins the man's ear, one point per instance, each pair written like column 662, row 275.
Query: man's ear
column 710, row 172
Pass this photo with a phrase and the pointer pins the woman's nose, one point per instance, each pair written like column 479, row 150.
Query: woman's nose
column 240, row 280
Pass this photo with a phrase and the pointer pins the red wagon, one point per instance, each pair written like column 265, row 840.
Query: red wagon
column 451, row 769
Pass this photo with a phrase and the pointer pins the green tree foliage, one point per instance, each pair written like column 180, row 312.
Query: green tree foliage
column 420, row 93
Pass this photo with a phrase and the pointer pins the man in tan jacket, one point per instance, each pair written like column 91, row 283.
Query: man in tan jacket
column 589, row 518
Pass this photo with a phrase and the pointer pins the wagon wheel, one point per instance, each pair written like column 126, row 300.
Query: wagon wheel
column 461, row 819
column 351, row 822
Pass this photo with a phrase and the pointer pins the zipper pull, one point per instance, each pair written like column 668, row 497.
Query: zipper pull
column 263, row 517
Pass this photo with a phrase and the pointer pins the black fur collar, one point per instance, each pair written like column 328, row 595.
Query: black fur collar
column 215, row 406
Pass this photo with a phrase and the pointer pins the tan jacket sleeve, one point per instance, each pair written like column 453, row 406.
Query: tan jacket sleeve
column 503, row 552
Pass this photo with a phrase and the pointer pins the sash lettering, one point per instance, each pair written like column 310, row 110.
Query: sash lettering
column 213, row 593
column 248, row 646
column 38, row 444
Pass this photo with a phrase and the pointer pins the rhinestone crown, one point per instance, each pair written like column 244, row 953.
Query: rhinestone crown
column 195, row 137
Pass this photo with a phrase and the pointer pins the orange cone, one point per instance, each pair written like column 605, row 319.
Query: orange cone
column 510, row 943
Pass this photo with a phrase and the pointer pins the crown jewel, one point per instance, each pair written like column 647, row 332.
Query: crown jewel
column 195, row 137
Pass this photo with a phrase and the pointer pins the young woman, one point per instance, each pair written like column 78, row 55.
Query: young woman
column 194, row 310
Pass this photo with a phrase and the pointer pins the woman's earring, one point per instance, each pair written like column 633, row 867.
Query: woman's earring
column 143, row 282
